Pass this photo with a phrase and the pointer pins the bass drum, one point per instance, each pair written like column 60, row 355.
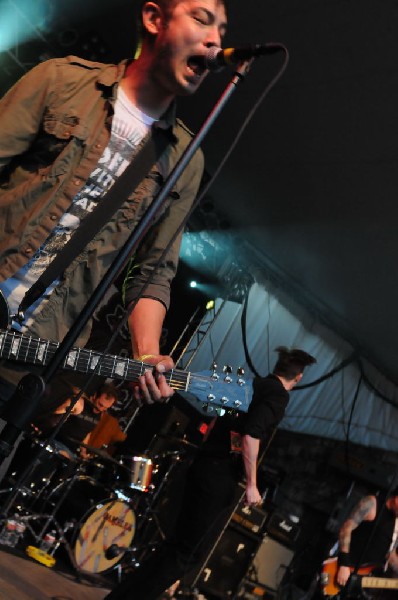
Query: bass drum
column 110, row 522
column 92, row 522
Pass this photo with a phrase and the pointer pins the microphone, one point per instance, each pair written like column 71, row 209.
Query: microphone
column 218, row 58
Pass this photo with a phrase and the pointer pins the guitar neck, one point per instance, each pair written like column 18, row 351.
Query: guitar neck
column 36, row 351
column 207, row 387
column 379, row 582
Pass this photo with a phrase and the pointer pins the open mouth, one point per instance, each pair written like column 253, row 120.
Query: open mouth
column 196, row 65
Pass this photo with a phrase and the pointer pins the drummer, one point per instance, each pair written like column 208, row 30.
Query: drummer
column 107, row 434
column 80, row 424
column 87, row 413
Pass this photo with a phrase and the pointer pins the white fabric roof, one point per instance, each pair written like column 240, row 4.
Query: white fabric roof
column 356, row 404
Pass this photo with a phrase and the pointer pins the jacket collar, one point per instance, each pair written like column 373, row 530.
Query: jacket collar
column 111, row 76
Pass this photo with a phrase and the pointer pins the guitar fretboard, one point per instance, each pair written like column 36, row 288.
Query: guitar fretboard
column 380, row 583
column 36, row 351
column 207, row 387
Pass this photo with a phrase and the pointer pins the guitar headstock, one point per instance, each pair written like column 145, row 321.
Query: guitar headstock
column 221, row 392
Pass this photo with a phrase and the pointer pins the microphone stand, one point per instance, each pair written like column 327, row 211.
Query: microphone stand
column 31, row 387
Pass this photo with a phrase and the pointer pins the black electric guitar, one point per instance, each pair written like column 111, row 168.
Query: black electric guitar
column 213, row 391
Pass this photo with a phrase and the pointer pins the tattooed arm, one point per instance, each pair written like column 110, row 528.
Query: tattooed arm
column 364, row 511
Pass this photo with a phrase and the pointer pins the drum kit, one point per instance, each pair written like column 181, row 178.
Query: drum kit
column 94, row 508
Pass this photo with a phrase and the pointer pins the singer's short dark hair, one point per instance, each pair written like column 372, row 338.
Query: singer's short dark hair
column 292, row 362
column 167, row 7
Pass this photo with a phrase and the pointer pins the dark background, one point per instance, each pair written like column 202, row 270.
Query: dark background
column 311, row 189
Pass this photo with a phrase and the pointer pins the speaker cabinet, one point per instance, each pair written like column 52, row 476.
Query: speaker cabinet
column 228, row 564
column 270, row 562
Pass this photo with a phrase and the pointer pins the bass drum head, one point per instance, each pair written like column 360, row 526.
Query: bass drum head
column 110, row 522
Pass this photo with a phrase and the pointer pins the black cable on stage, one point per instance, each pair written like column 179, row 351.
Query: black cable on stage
column 330, row 374
column 244, row 336
column 347, row 438
column 371, row 386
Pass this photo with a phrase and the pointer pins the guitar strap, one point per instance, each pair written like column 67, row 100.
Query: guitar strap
column 394, row 540
column 127, row 182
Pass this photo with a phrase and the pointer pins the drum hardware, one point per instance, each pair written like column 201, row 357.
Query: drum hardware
column 86, row 515
column 149, row 537
column 182, row 441
column 136, row 472
column 35, row 477
column 97, row 451
column 92, row 519
column 175, row 456
column 102, row 467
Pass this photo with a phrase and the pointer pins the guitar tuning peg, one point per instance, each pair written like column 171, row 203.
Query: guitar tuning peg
column 214, row 366
column 227, row 369
column 240, row 371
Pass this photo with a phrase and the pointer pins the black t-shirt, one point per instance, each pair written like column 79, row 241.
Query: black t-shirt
column 265, row 412
column 371, row 540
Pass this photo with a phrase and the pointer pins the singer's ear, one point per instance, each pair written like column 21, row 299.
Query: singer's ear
column 152, row 18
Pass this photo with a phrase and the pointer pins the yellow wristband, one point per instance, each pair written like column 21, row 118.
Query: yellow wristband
column 144, row 357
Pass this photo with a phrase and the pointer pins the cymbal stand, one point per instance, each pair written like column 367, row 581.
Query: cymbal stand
column 49, row 518
column 149, row 514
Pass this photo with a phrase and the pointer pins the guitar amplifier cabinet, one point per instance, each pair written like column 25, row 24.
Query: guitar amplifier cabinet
column 229, row 563
column 249, row 517
column 282, row 528
column 270, row 563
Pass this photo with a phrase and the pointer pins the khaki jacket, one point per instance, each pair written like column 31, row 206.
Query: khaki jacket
column 54, row 125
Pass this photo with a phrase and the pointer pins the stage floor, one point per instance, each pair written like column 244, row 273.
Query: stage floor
column 22, row 578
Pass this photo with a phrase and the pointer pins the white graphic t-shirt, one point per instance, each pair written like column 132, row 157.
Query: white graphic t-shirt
column 129, row 127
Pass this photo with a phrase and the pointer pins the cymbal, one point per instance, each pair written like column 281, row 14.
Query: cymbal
column 176, row 440
column 98, row 452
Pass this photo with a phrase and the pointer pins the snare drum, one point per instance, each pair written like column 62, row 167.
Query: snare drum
column 137, row 472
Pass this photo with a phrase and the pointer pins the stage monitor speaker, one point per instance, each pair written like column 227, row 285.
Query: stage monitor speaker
column 228, row 564
column 270, row 562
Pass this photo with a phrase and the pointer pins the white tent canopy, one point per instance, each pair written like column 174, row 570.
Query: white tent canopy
column 356, row 403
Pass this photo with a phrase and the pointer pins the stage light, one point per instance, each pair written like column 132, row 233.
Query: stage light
column 23, row 21
column 210, row 305
column 193, row 284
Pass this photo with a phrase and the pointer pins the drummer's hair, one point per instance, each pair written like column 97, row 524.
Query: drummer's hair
column 109, row 389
